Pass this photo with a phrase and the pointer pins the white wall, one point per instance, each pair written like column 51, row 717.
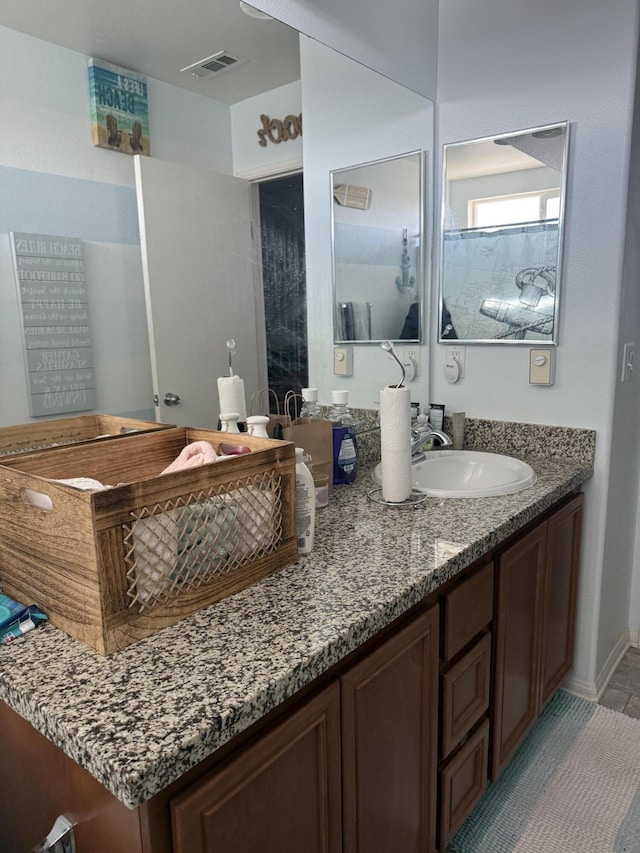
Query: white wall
column 250, row 159
column 583, row 71
column 399, row 41
column 54, row 181
column 352, row 115
column 623, row 510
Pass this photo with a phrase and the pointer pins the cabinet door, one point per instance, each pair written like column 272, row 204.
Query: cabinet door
column 389, row 734
column 280, row 794
column 560, row 594
column 517, row 632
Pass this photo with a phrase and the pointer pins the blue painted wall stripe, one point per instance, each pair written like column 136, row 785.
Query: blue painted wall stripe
column 67, row 207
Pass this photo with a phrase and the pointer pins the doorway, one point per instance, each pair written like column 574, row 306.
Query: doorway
column 281, row 202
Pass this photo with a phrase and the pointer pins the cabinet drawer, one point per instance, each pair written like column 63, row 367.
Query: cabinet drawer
column 465, row 694
column 463, row 781
column 467, row 609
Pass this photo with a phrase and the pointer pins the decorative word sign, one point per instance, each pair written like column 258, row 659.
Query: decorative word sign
column 276, row 130
column 52, row 292
column 119, row 110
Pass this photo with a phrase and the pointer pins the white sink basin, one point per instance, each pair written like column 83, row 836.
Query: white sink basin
column 467, row 474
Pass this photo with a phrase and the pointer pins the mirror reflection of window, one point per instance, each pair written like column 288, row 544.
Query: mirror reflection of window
column 502, row 223
column 527, row 207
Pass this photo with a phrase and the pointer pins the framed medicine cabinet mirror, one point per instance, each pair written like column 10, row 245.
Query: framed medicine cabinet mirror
column 501, row 249
column 378, row 246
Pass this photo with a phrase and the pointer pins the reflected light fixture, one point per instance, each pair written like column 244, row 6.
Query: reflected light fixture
column 254, row 13
column 549, row 132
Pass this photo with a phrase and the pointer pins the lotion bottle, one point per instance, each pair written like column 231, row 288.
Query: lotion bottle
column 305, row 504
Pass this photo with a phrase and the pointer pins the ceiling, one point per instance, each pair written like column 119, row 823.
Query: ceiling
column 159, row 38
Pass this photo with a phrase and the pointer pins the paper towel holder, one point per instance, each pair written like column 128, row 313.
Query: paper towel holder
column 414, row 500
column 387, row 346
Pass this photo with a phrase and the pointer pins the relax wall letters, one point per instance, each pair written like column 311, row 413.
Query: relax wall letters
column 276, row 130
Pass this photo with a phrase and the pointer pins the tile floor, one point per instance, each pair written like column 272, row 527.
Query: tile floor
column 623, row 691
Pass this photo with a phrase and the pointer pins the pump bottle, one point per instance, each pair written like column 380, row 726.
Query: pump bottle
column 345, row 448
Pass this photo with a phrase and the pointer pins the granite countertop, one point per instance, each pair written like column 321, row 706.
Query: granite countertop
column 140, row 718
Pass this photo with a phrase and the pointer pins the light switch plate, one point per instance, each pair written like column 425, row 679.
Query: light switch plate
column 542, row 364
column 343, row 361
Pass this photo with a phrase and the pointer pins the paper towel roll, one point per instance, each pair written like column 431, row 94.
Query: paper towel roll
column 395, row 443
column 231, row 394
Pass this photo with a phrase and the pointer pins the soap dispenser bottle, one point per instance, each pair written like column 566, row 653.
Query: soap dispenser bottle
column 345, row 448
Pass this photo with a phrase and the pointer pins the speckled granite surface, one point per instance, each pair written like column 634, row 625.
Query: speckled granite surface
column 140, row 718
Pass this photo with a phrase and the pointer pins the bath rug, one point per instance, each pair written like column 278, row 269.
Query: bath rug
column 572, row 787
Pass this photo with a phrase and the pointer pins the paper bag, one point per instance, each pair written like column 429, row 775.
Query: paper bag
column 258, row 406
column 316, row 438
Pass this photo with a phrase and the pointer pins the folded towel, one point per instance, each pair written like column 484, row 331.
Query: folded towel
column 86, row 484
column 354, row 321
column 192, row 456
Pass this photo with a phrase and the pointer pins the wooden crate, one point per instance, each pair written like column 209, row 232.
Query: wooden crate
column 87, row 558
column 38, row 435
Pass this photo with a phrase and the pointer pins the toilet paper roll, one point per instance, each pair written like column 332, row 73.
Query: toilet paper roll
column 395, row 443
column 231, row 395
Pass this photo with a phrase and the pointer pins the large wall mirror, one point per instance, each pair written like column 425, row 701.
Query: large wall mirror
column 378, row 250
column 502, row 224
column 341, row 129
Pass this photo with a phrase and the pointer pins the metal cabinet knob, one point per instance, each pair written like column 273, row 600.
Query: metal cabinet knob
column 171, row 399
column 61, row 838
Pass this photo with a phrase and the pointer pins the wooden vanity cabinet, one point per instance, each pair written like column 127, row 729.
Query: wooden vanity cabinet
column 352, row 770
column 389, row 703
column 39, row 782
column 280, row 794
column 560, row 596
column 534, row 625
column 390, row 751
column 465, row 678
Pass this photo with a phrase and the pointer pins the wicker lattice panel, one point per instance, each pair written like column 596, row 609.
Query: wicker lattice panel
column 194, row 540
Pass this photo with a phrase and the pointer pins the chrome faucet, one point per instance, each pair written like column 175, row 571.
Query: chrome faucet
column 422, row 433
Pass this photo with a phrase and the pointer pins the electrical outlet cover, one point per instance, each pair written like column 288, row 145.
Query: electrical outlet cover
column 458, row 354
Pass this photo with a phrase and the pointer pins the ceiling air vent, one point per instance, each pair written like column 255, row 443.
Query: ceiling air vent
column 214, row 65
